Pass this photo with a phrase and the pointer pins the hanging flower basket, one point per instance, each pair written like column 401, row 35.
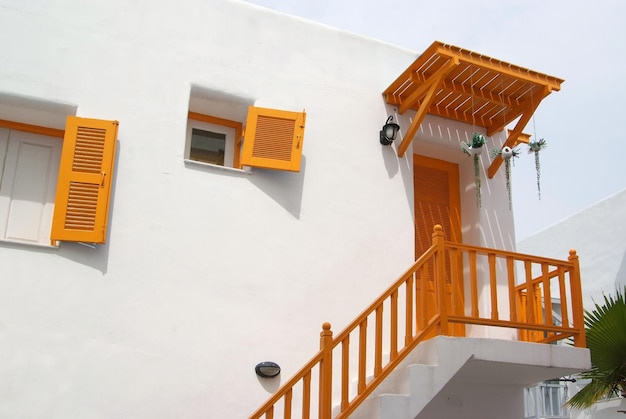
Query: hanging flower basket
column 536, row 147
column 474, row 148
column 507, row 153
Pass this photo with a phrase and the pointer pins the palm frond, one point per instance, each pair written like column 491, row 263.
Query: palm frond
column 606, row 340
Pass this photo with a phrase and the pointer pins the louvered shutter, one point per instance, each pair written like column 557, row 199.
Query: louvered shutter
column 273, row 139
column 432, row 206
column 436, row 201
column 85, row 177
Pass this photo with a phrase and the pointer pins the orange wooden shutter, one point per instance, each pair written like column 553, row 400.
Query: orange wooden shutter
column 84, row 186
column 436, row 201
column 273, row 139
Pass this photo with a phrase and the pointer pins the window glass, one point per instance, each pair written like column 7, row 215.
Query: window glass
column 207, row 146
column 210, row 143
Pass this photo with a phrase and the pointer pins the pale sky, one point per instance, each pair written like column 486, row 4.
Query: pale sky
column 583, row 42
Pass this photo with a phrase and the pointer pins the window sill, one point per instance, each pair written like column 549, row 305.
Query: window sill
column 30, row 244
column 245, row 171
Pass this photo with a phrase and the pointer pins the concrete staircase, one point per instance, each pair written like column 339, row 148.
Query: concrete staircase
column 468, row 378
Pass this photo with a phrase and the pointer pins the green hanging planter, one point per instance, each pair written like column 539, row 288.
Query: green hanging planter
column 507, row 154
column 536, row 147
column 474, row 148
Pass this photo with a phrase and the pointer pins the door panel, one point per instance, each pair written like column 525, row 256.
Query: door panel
column 437, row 201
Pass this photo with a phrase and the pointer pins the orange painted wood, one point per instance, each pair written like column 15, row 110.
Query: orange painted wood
column 577, row 300
column 326, row 371
column 238, row 127
column 563, row 296
column 408, row 318
column 430, row 88
column 306, row 395
column 530, row 293
column 473, row 284
column 85, row 179
column 440, row 279
column 527, row 111
column 493, row 286
column 362, row 354
column 378, row 341
column 527, row 318
column 34, row 129
column 287, row 409
column 273, row 139
column 345, row 371
column 545, row 269
column 510, row 268
column 393, row 351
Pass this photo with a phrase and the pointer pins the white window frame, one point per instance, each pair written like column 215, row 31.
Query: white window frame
column 229, row 147
column 17, row 216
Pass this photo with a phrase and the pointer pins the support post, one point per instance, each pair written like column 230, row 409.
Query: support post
column 326, row 372
column 440, row 278
column 577, row 301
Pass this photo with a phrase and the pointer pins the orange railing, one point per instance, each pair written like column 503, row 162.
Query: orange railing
column 544, row 305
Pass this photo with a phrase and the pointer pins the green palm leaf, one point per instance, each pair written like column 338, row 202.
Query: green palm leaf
column 605, row 329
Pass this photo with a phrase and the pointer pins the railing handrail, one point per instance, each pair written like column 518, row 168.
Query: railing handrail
column 530, row 322
column 394, row 287
column 508, row 253
column 285, row 388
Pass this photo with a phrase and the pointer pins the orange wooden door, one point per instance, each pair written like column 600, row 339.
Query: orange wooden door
column 437, row 201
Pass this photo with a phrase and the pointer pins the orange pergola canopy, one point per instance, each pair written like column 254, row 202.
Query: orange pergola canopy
column 459, row 84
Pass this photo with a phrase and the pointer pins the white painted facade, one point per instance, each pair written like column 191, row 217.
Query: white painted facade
column 597, row 235
column 206, row 271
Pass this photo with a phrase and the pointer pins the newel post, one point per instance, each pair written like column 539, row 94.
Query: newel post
column 440, row 278
column 326, row 372
column 577, row 301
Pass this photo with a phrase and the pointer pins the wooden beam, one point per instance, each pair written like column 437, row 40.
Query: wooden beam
column 515, row 133
column 436, row 78
column 34, row 129
column 522, row 139
column 492, row 64
column 423, row 109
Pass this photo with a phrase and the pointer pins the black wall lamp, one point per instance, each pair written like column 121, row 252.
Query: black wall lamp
column 389, row 131
column 267, row 369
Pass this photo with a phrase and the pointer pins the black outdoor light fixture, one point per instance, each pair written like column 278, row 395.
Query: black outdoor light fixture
column 267, row 369
column 389, row 131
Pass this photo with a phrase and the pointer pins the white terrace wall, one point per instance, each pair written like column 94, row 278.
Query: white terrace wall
column 206, row 272
column 597, row 234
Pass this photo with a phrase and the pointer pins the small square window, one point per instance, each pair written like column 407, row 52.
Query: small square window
column 29, row 167
column 212, row 140
column 207, row 146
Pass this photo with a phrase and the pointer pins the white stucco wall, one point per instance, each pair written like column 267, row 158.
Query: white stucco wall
column 206, row 273
column 597, row 234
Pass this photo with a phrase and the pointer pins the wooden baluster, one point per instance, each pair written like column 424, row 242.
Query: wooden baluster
column 440, row 280
column 288, row 397
column 493, row 285
column 473, row 284
column 362, row 354
column 510, row 268
column 577, row 301
column 547, row 295
column 345, row 372
column 563, row 298
column 393, row 350
column 326, row 372
column 408, row 327
column 306, row 396
column 378, row 341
